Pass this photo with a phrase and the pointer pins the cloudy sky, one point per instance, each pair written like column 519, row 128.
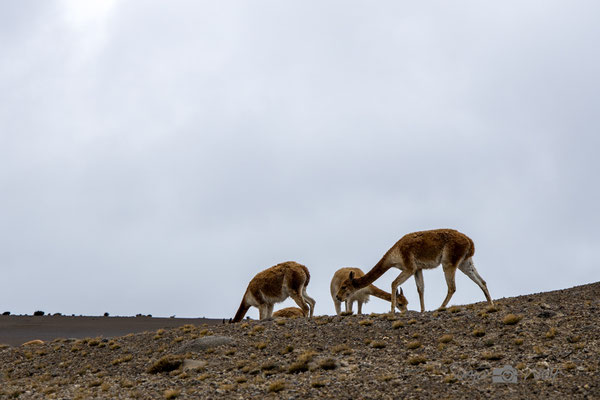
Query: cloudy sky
column 154, row 156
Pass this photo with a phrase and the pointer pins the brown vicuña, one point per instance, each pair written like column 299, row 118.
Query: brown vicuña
column 361, row 296
column 274, row 285
column 422, row 250
column 288, row 312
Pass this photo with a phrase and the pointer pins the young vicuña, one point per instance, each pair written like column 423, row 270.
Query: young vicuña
column 361, row 295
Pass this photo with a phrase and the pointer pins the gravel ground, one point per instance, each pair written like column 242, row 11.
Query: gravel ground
column 543, row 345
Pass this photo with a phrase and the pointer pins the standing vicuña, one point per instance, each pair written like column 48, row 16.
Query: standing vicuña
column 274, row 285
column 361, row 295
column 423, row 250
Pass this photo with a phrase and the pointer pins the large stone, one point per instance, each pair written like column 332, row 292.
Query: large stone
column 203, row 343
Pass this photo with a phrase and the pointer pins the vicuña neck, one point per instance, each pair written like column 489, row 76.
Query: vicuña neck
column 382, row 294
column 370, row 277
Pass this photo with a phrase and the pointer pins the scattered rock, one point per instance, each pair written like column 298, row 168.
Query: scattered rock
column 204, row 343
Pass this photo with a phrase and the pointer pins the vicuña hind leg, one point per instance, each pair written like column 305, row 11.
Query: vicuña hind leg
column 311, row 302
column 449, row 272
column 297, row 297
column 468, row 268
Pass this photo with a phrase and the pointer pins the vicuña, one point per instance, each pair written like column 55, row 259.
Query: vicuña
column 360, row 296
column 422, row 250
column 274, row 285
column 288, row 312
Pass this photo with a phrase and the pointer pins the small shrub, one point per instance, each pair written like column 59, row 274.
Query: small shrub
column 511, row 319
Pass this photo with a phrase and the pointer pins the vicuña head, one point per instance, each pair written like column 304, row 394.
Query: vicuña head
column 417, row 251
column 341, row 283
column 274, row 285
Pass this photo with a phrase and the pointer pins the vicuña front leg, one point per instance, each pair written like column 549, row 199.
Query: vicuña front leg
column 420, row 287
column 449, row 272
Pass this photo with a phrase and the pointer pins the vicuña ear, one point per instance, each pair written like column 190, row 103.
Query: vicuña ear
column 401, row 292
column 397, row 293
column 351, row 276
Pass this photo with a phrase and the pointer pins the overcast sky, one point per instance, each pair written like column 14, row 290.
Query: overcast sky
column 155, row 156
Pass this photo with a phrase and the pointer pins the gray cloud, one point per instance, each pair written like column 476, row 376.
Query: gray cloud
column 155, row 159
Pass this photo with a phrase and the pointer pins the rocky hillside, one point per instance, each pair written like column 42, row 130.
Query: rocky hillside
column 542, row 345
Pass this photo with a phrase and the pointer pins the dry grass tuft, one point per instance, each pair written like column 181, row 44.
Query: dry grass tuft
column 318, row 383
column 125, row 358
column 328, row 364
column 492, row 355
column 551, row 333
column 416, row 360
column 365, row 322
column 574, row 339
column 397, row 324
column 413, row 345
column 261, row 345
column 172, row 393
column 277, row 386
column 518, row 341
column 412, row 321
column 511, row 319
column 377, row 344
column 446, row 338
column 478, row 332
column 342, row 348
column 450, row 378
column 165, row 364
column 287, row 349
column 454, row 309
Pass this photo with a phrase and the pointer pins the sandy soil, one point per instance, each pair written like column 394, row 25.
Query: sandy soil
column 16, row 330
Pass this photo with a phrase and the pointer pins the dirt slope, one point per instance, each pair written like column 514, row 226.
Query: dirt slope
column 550, row 347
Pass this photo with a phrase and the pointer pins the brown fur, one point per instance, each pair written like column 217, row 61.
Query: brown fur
column 423, row 250
column 288, row 312
column 362, row 295
column 274, row 285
